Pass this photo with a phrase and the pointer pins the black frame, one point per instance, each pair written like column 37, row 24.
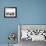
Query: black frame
column 8, row 16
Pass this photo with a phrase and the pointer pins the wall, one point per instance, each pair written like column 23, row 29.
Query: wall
column 28, row 12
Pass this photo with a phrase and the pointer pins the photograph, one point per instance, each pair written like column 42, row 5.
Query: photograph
column 10, row 12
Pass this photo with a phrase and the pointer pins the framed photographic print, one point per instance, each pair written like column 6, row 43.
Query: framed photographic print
column 10, row 12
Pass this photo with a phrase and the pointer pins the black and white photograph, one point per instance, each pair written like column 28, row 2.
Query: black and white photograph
column 10, row 12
